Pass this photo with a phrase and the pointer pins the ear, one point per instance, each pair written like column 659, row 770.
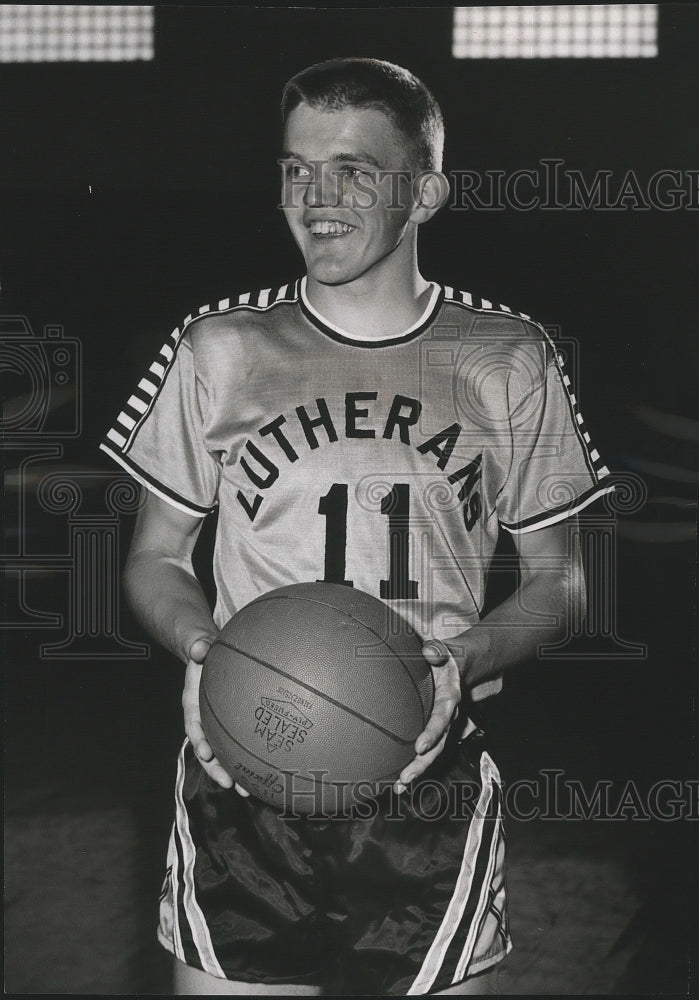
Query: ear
column 430, row 191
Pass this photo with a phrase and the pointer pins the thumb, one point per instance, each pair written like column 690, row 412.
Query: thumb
column 199, row 648
column 436, row 652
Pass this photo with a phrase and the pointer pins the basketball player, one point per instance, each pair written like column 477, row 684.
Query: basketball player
column 367, row 426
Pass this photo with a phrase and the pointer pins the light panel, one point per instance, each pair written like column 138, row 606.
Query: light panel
column 579, row 31
column 75, row 33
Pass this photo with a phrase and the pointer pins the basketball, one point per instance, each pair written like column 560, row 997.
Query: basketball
column 313, row 695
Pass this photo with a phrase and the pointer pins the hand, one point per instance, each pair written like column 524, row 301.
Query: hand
column 192, row 717
column 447, row 695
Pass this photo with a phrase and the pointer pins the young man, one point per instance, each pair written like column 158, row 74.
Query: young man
column 366, row 390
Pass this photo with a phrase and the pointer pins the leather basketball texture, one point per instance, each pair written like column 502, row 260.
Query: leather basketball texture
column 313, row 695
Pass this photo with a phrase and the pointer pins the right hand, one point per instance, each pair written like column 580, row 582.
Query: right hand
column 192, row 717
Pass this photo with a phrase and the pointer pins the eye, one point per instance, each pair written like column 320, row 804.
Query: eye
column 351, row 171
column 298, row 171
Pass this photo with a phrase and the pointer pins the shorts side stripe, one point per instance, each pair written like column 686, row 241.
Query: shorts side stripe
column 462, row 891
column 195, row 918
column 474, row 912
column 483, row 903
column 169, row 920
column 190, row 953
column 488, row 952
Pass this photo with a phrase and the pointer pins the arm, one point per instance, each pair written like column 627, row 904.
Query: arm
column 551, row 587
column 168, row 600
column 159, row 579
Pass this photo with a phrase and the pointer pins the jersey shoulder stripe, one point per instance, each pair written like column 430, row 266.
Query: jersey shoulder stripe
column 121, row 436
column 260, row 300
column 597, row 469
column 594, row 463
column 478, row 304
column 257, row 301
column 142, row 400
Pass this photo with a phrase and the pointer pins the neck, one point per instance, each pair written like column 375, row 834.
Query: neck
column 376, row 304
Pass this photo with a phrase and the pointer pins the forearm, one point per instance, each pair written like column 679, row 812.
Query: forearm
column 168, row 600
column 537, row 614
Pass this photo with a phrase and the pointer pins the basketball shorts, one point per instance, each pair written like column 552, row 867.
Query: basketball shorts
column 408, row 901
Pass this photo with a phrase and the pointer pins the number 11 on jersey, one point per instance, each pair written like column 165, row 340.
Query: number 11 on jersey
column 396, row 506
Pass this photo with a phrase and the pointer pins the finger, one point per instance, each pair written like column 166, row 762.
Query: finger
column 190, row 690
column 205, row 756
column 200, row 745
column 447, row 695
column 438, row 722
column 217, row 773
column 242, row 791
column 190, row 708
column 417, row 766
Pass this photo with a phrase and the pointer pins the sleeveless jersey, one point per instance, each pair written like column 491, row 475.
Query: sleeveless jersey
column 389, row 465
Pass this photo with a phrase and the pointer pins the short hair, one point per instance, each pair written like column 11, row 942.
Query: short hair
column 373, row 83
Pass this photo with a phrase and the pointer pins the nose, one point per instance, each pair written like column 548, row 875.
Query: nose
column 324, row 189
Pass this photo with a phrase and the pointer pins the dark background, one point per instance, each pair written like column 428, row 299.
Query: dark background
column 136, row 192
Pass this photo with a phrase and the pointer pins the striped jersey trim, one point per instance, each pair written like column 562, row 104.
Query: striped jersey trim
column 470, row 898
column 597, row 469
column 141, row 402
column 479, row 304
column 120, row 438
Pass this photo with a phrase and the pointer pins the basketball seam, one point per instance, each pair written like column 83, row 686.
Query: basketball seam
column 368, row 628
column 267, row 761
column 318, row 694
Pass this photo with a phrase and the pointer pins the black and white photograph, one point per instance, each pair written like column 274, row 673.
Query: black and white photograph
column 350, row 465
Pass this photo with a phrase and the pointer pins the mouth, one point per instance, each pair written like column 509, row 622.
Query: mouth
column 330, row 227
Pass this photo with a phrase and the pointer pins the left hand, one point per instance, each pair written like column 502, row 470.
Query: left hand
column 447, row 695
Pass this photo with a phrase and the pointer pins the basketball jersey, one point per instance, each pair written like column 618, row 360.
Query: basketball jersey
column 389, row 465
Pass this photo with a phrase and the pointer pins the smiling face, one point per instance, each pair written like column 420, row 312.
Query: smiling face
column 347, row 220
